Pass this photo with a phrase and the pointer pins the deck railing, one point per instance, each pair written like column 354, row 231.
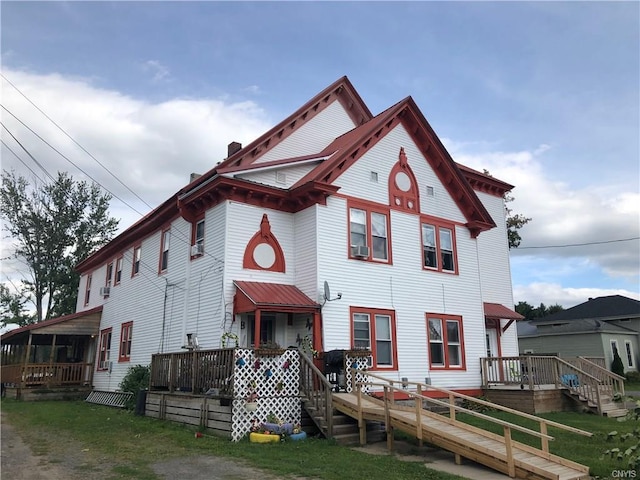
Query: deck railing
column 196, row 371
column 51, row 375
column 317, row 391
column 610, row 383
column 581, row 377
column 450, row 399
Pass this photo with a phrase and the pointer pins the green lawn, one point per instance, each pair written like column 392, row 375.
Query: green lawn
column 581, row 449
column 132, row 444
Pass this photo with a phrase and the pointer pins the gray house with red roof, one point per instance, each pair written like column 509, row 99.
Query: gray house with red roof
column 596, row 328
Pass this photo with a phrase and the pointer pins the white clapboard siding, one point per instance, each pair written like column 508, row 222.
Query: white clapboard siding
column 306, row 251
column 381, row 158
column 313, row 136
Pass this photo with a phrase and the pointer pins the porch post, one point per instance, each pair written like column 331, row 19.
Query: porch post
column 256, row 330
column 53, row 349
column 317, row 332
column 26, row 361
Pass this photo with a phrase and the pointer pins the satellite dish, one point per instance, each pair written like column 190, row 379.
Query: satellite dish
column 327, row 293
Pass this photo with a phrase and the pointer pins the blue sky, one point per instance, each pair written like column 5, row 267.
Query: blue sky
column 544, row 95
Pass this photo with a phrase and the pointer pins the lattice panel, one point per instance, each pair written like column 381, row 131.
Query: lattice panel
column 277, row 384
column 360, row 363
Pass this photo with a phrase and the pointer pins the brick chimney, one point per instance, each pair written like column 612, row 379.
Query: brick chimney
column 233, row 147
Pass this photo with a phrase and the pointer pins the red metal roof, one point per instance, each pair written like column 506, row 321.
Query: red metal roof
column 496, row 310
column 272, row 296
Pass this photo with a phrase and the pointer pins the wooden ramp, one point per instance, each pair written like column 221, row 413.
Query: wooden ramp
column 498, row 452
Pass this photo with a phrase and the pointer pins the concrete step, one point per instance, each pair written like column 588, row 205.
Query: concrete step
column 619, row 412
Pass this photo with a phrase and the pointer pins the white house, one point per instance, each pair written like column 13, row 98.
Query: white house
column 412, row 246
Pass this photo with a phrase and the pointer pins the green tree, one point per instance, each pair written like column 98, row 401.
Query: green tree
column 53, row 227
column 515, row 222
column 529, row 312
column 617, row 366
column 12, row 308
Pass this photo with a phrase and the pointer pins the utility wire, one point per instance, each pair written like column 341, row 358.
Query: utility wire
column 21, row 161
column 73, row 140
column 582, row 244
column 28, row 153
column 69, row 160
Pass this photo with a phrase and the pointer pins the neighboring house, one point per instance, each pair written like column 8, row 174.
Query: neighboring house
column 412, row 246
column 595, row 328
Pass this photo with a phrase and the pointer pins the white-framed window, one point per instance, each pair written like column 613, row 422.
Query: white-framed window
column 628, row 348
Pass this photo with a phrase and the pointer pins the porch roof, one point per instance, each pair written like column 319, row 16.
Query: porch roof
column 498, row 311
column 251, row 296
column 80, row 323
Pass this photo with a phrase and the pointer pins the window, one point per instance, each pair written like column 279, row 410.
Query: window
column 374, row 329
column 438, row 247
column 267, row 328
column 197, row 238
column 104, row 352
column 446, row 347
column 118, row 277
column 369, row 234
column 107, row 280
column 135, row 264
column 629, row 351
column 126, row 332
column 87, row 292
column 164, row 250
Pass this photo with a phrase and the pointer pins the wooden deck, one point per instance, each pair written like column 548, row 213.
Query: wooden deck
column 498, row 452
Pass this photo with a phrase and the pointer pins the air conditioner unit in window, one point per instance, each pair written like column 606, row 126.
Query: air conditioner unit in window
column 360, row 251
column 106, row 366
column 105, row 291
column 197, row 250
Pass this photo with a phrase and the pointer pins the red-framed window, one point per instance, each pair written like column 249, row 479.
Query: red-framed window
column 126, row 335
column 87, row 290
column 197, row 238
column 108, row 277
column 135, row 263
column 369, row 232
column 104, row 350
column 439, row 246
column 375, row 330
column 445, row 337
column 118, row 275
column 165, row 240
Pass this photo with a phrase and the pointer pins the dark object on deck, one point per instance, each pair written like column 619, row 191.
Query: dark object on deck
column 334, row 368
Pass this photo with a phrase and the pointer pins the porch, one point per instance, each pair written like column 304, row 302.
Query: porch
column 539, row 384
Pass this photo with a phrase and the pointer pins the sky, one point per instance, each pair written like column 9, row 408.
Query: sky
column 543, row 95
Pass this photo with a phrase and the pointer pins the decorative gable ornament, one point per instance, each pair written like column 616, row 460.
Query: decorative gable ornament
column 263, row 252
column 403, row 187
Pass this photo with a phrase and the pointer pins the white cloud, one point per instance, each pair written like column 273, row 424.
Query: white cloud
column 562, row 215
column 151, row 147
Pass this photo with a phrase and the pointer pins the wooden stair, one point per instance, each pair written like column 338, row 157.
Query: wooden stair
column 608, row 406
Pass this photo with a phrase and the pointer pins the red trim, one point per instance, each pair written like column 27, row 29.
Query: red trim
column 372, row 312
column 438, row 224
column 164, row 230
column 445, row 343
column 104, row 346
column 274, row 297
column 483, row 182
column 369, row 208
column 118, row 272
column 409, row 200
column 397, row 395
column 264, row 236
column 136, row 260
column 87, row 289
column 126, row 337
column 194, row 229
column 108, row 275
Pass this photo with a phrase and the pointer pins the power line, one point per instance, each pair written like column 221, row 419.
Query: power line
column 73, row 140
column 28, row 153
column 581, row 244
column 21, row 161
column 68, row 160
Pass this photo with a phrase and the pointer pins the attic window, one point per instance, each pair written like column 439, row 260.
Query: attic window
column 374, row 177
column 281, row 178
column 429, row 191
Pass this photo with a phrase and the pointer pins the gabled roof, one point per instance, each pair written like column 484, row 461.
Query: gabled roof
column 612, row 307
column 589, row 326
column 91, row 317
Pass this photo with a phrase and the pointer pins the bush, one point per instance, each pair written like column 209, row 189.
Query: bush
column 136, row 379
column 633, row 376
column 616, row 366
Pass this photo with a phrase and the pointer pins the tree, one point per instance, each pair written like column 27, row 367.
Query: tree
column 514, row 223
column 617, row 366
column 12, row 308
column 53, row 227
column 530, row 312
